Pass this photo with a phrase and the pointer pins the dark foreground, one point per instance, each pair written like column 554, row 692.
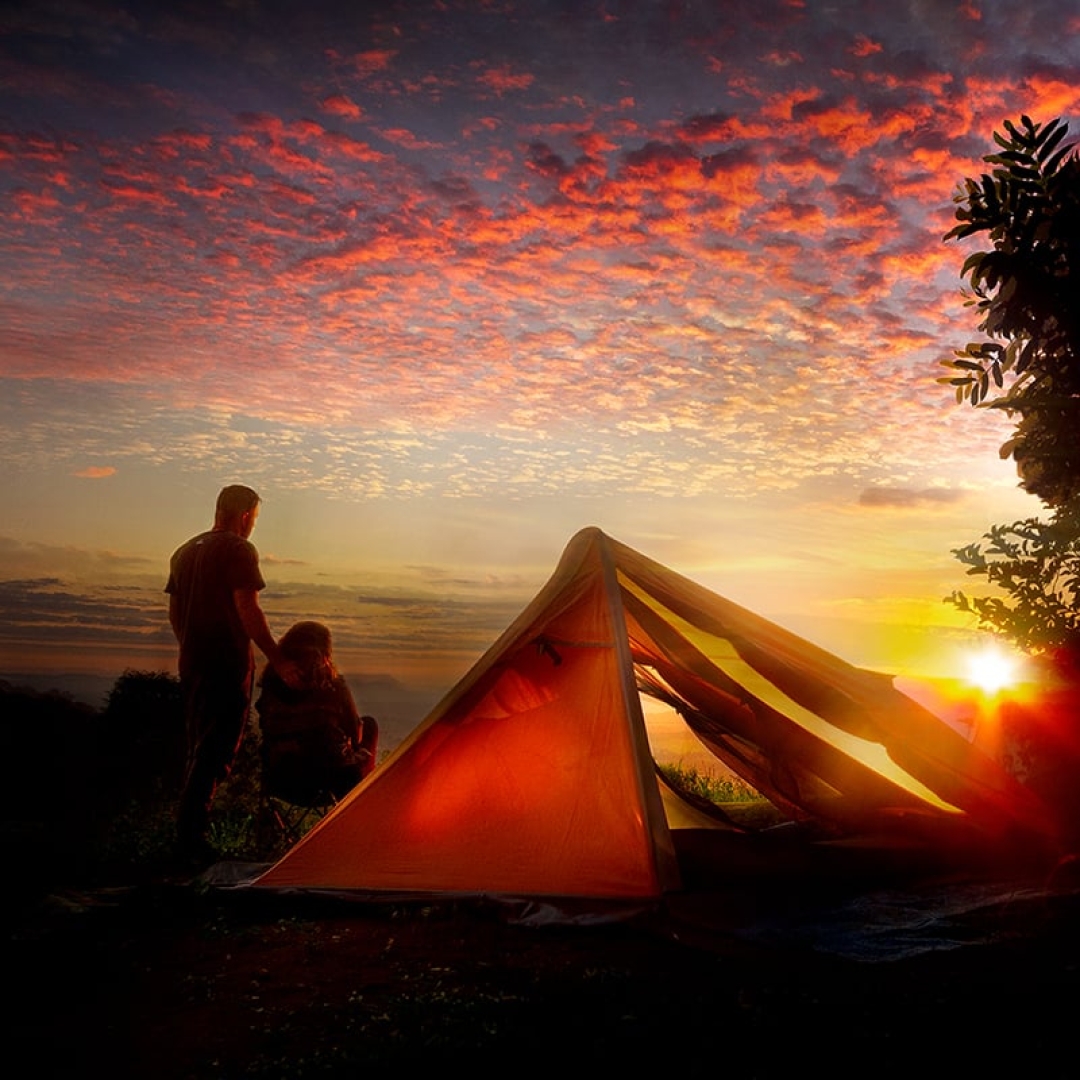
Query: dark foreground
column 115, row 966
column 167, row 979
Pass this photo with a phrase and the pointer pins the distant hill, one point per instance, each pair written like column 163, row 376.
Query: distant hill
column 398, row 708
column 91, row 690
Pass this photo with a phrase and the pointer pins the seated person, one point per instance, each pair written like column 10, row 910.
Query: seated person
column 314, row 742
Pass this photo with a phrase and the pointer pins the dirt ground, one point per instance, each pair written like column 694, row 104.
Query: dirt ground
column 170, row 979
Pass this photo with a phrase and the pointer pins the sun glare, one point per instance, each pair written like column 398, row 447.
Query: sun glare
column 992, row 669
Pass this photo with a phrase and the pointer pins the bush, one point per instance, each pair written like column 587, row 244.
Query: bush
column 87, row 792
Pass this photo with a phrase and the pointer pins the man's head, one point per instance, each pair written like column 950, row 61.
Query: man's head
column 237, row 508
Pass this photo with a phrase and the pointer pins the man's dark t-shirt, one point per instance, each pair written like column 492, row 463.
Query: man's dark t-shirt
column 203, row 573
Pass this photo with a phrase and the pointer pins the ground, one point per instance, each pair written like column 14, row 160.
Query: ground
column 116, row 963
column 169, row 979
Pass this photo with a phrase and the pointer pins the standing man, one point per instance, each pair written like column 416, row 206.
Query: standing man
column 214, row 584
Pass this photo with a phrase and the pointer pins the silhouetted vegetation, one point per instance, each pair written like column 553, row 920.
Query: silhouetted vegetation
column 45, row 790
column 91, row 793
column 1025, row 290
column 1036, row 566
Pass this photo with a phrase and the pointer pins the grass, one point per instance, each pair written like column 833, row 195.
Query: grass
column 710, row 786
column 741, row 803
column 142, row 831
column 145, row 830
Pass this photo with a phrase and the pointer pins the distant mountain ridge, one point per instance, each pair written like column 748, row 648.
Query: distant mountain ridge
column 398, row 708
column 91, row 690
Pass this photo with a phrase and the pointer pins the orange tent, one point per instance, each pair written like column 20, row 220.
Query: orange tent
column 533, row 777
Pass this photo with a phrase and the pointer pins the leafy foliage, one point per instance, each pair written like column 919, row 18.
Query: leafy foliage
column 1024, row 290
column 1037, row 565
column 142, row 733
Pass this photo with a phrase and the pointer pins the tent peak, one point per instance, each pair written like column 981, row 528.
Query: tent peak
column 589, row 536
column 590, row 531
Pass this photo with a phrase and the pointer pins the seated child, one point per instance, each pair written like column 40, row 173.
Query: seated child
column 314, row 742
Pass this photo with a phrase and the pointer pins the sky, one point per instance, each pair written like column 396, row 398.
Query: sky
column 447, row 282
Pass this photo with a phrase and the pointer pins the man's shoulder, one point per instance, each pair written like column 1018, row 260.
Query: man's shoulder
column 217, row 540
column 186, row 548
column 216, row 548
column 198, row 538
column 216, row 559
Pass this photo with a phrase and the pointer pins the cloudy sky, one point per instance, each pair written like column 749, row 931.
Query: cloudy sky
column 447, row 281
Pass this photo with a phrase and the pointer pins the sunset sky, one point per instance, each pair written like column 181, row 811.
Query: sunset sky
column 448, row 281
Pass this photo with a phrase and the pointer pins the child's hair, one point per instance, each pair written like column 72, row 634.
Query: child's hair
column 308, row 645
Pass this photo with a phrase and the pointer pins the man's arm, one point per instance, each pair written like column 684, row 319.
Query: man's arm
column 254, row 622
column 174, row 614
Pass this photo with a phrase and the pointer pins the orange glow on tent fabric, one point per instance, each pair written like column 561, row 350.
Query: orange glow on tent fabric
column 533, row 776
column 504, row 793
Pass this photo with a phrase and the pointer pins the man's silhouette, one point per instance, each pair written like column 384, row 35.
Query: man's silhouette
column 214, row 584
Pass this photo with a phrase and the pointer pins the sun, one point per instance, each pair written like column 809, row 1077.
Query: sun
column 992, row 669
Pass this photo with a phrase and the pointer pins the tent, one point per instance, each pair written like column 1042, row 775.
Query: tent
column 533, row 777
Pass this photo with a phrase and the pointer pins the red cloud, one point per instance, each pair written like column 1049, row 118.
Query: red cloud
column 340, row 105
column 367, row 63
column 351, row 148
column 864, row 46
column 39, row 206
column 719, row 127
column 405, row 138
column 501, row 80
column 130, row 192
column 1053, row 96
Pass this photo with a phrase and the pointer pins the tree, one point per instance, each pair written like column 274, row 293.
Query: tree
column 1025, row 289
column 142, row 737
column 1037, row 565
column 1026, row 293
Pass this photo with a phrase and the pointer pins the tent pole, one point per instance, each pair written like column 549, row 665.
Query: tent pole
column 665, row 862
